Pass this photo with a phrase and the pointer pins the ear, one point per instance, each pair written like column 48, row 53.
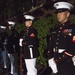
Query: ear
column 68, row 13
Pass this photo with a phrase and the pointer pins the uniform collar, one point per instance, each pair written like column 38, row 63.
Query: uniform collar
column 66, row 23
column 30, row 27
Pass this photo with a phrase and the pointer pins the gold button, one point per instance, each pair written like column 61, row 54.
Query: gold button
column 57, row 39
column 59, row 31
column 58, row 35
column 56, row 47
column 56, row 60
column 56, row 42
column 59, row 57
column 60, row 27
column 63, row 55
column 70, row 34
column 63, row 24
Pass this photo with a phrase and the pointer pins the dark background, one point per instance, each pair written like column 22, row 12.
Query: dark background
column 15, row 9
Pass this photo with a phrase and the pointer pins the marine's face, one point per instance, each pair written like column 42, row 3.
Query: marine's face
column 63, row 16
column 28, row 23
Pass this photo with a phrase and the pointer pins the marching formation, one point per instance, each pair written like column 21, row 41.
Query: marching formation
column 9, row 45
column 61, row 44
column 11, row 42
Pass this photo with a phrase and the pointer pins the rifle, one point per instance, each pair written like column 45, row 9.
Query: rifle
column 20, row 60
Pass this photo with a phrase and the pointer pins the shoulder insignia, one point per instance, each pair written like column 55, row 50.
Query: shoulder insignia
column 73, row 39
column 32, row 35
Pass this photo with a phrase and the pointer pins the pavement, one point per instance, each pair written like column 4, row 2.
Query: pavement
column 41, row 71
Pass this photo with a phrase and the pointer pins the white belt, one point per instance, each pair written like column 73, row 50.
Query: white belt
column 59, row 50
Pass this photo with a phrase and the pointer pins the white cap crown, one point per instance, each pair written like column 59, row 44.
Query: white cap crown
column 29, row 17
column 11, row 23
column 63, row 5
column 3, row 27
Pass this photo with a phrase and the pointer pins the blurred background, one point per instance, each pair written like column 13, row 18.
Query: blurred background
column 15, row 9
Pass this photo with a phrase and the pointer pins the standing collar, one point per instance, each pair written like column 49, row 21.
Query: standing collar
column 66, row 23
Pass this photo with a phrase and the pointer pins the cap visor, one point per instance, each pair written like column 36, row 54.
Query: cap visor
column 61, row 10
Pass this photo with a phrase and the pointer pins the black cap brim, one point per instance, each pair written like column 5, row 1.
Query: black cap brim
column 61, row 10
column 28, row 20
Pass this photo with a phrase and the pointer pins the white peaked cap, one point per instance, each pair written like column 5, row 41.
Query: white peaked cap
column 29, row 17
column 11, row 22
column 63, row 5
column 3, row 27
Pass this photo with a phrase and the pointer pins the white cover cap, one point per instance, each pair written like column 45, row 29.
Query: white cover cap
column 29, row 17
column 63, row 5
column 3, row 27
column 11, row 23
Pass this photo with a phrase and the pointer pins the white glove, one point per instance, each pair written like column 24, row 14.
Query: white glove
column 73, row 59
column 52, row 64
column 20, row 42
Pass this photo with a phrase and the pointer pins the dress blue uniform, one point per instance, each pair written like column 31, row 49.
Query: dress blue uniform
column 30, row 46
column 13, row 46
column 30, row 41
column 62, row 43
